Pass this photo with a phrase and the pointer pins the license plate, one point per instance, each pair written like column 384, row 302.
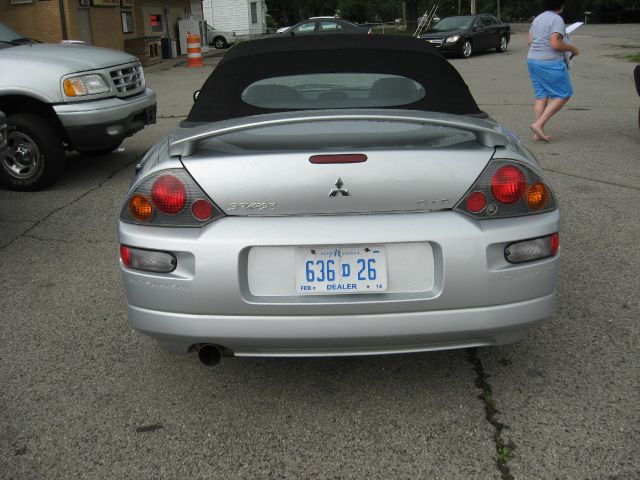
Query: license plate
column 336, row 270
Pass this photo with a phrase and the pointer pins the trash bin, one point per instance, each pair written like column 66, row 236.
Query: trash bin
column 168, row 48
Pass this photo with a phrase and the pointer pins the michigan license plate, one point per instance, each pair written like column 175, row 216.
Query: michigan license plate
column 335, row 270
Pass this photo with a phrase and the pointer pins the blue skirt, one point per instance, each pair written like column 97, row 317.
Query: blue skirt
column 550, row 79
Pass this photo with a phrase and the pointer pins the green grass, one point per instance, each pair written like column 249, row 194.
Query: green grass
column 634, row 58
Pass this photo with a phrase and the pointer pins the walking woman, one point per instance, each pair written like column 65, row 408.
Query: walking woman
column 547, row 68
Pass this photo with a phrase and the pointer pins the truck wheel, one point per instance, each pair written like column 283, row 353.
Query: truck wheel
column 220, row 42
column 35, row 156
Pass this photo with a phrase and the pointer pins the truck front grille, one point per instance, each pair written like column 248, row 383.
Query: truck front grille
column 128, row 79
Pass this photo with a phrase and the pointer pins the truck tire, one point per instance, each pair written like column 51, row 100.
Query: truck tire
column 220, row 42
column 35, row 156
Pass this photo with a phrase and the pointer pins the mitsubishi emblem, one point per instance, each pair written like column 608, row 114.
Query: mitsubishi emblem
column 339, row 190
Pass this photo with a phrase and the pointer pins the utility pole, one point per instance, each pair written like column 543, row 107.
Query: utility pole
column 473, row 7
column 459, row 7
column 499, row 10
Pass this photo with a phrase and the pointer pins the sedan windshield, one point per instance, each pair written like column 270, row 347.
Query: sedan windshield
column 453, row 23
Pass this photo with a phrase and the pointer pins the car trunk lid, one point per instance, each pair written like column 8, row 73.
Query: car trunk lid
column 397, row 167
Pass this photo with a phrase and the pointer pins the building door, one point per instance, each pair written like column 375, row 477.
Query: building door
column 84, row 26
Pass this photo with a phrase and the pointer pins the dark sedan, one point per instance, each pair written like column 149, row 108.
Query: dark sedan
column 325, row 25
column 466, row 34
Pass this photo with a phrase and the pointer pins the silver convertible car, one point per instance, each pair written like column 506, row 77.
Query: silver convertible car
column 341, row 195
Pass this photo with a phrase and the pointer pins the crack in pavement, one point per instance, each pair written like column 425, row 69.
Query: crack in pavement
column 67, row 241
column 582, row 177
column 83, row 195
column 503, row 450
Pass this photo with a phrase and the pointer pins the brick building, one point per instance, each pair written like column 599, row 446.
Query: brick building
column 135, row 26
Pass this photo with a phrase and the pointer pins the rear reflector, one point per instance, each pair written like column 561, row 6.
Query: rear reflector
column 202, row 210
column 147, row 260
column 339, row 158
column 476, row 202
column 535, row 249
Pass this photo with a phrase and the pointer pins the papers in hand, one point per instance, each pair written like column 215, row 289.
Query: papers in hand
column 573, row 27
column 568, row 56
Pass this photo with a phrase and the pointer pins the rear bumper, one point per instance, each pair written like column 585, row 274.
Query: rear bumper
column 475, row 297
column 341, row 335
column 101, row 124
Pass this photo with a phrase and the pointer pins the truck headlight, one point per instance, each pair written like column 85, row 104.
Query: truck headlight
column 452, row 39
column 85, row 85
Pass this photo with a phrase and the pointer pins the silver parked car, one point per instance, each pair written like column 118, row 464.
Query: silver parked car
column 342, row 197
column 220, row 39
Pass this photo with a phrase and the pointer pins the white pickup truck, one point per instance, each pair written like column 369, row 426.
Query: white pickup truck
column 62, row 97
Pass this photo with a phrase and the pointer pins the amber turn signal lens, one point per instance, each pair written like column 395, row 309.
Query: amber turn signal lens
column 537, row 196
column 140, row 207
column 69, row 88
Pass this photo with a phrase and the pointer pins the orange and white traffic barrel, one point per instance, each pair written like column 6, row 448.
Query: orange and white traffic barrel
column 194, row 52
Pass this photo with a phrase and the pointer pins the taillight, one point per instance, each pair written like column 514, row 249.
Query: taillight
column 147, row 260
column 169, row 198
column 202, row 209
column 508, row 184
column 476, row 202
column 537, row 196
column 140, row 208
column 507, row 188
column 535, row 249
column 169, row 194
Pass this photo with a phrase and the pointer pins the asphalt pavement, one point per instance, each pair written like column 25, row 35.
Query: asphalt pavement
column 82, row 395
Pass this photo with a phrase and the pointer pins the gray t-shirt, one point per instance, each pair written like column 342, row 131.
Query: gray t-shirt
column 541, row 29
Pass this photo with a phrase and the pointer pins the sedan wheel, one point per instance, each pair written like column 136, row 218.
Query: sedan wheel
column 35, row 155
column 220, row 42
column 467, row 49
column 502, row 47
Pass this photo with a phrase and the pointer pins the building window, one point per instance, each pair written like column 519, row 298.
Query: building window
column 156, row 23
column 254, row 12
column 127, row 22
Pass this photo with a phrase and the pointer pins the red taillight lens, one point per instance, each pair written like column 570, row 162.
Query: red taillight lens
column 169, row 194
column 339, row 158
column 508, row 184
column 555, row 243
column 125, row 255
column 476, row 202
column 202, row 210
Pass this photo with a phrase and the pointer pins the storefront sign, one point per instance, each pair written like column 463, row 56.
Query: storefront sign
column 106, row 3
column 127, row 3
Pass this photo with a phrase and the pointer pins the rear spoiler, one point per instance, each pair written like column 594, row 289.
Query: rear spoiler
column 184, row 141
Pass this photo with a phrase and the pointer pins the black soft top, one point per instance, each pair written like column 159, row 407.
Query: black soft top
column 248, row 62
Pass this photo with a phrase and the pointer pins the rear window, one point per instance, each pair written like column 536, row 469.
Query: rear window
column 333, row 90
